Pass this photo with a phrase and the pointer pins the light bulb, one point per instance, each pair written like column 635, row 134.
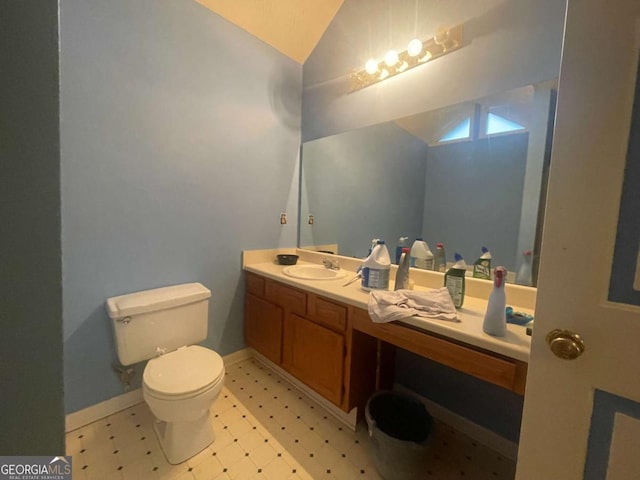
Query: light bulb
column 383, row 74
column 427, row 56
column 414, row 48
column 371, row 66
column 391, row 58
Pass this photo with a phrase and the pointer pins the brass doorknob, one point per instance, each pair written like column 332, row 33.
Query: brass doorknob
column 565, row 344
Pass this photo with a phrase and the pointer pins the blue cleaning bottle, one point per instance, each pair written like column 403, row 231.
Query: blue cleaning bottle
column 495, row 318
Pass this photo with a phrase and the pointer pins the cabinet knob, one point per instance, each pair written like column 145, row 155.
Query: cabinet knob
column 565, row 344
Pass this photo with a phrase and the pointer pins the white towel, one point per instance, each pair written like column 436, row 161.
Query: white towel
column 387, row 306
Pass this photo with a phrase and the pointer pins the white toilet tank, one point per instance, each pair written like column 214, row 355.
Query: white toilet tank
column 162, row 319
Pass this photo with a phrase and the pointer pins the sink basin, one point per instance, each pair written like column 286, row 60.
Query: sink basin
column 313, row 272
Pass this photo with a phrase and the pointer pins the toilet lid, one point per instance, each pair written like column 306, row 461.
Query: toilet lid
column 183, row 371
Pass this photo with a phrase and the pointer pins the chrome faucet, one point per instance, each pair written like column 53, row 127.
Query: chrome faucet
column 331, row 264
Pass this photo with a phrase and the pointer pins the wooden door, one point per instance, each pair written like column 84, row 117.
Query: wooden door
column 582, row 416
column 263, row 327
column 316, row 357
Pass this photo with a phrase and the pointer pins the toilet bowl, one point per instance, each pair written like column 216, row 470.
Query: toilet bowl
column 179, row 387
column 181, row 380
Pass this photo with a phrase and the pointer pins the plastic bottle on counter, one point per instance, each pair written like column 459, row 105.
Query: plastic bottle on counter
column 375, row 268
column 454, row 280
column 402, row 274
column 482, row 266
column 402, row 243
column 440, row 259
column 524, row 276
column 495, row 318
column 372, row 246
column 421, row 256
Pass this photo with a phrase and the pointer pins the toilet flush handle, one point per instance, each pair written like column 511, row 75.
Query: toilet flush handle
column 124, row 320
column 160, row 351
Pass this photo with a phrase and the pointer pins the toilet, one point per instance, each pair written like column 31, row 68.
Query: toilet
column 181, row 380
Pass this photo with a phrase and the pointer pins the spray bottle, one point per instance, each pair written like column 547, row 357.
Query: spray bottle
column 495, row 318
column 402, row 242
column 402, row 274
column 524, row 272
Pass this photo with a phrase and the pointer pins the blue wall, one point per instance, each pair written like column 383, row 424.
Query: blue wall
column 473, row 197
column 179, row 142
column 31, row 399
column 362, row 184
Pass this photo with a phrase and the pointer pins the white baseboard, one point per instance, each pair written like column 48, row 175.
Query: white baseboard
column 100, row 410
column 237, row 357
column 483, row 435
column 348, row 419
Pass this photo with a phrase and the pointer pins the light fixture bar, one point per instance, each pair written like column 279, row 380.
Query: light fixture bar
column 445, row 41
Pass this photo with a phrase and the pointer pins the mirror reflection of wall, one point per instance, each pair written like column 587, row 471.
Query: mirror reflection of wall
column 468, row 176
column 506, row 45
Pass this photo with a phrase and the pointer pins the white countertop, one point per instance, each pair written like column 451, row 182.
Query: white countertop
column 516, row 344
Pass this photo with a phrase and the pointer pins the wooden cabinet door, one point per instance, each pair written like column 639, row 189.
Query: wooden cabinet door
column 316, row 357
column 263, row 327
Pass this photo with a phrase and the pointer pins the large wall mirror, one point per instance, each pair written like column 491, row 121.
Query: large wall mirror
column 468, row 175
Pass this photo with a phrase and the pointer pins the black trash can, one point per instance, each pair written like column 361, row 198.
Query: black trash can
column 400, row 429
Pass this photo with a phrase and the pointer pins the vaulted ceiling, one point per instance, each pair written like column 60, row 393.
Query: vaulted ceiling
column 293, row 27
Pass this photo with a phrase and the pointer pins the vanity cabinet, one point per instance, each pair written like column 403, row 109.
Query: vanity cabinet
column 336, row 350
column 309, row 337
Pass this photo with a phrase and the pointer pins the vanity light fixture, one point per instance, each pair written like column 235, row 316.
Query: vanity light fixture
column 417, row 53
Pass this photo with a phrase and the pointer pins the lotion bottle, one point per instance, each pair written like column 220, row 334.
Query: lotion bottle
column 495, row 318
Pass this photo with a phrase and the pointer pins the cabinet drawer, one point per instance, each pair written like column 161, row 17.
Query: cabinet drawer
column 255, row 285
column 289, row 298
column 327, row 313
column 501, row 371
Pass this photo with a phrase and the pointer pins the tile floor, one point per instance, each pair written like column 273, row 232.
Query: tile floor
column 265, row 429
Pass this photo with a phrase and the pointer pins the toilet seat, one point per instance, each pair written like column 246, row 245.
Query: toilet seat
column 183, row 373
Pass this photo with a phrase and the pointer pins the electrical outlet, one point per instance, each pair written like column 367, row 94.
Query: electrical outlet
column 310, row 220
column 283, row 219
